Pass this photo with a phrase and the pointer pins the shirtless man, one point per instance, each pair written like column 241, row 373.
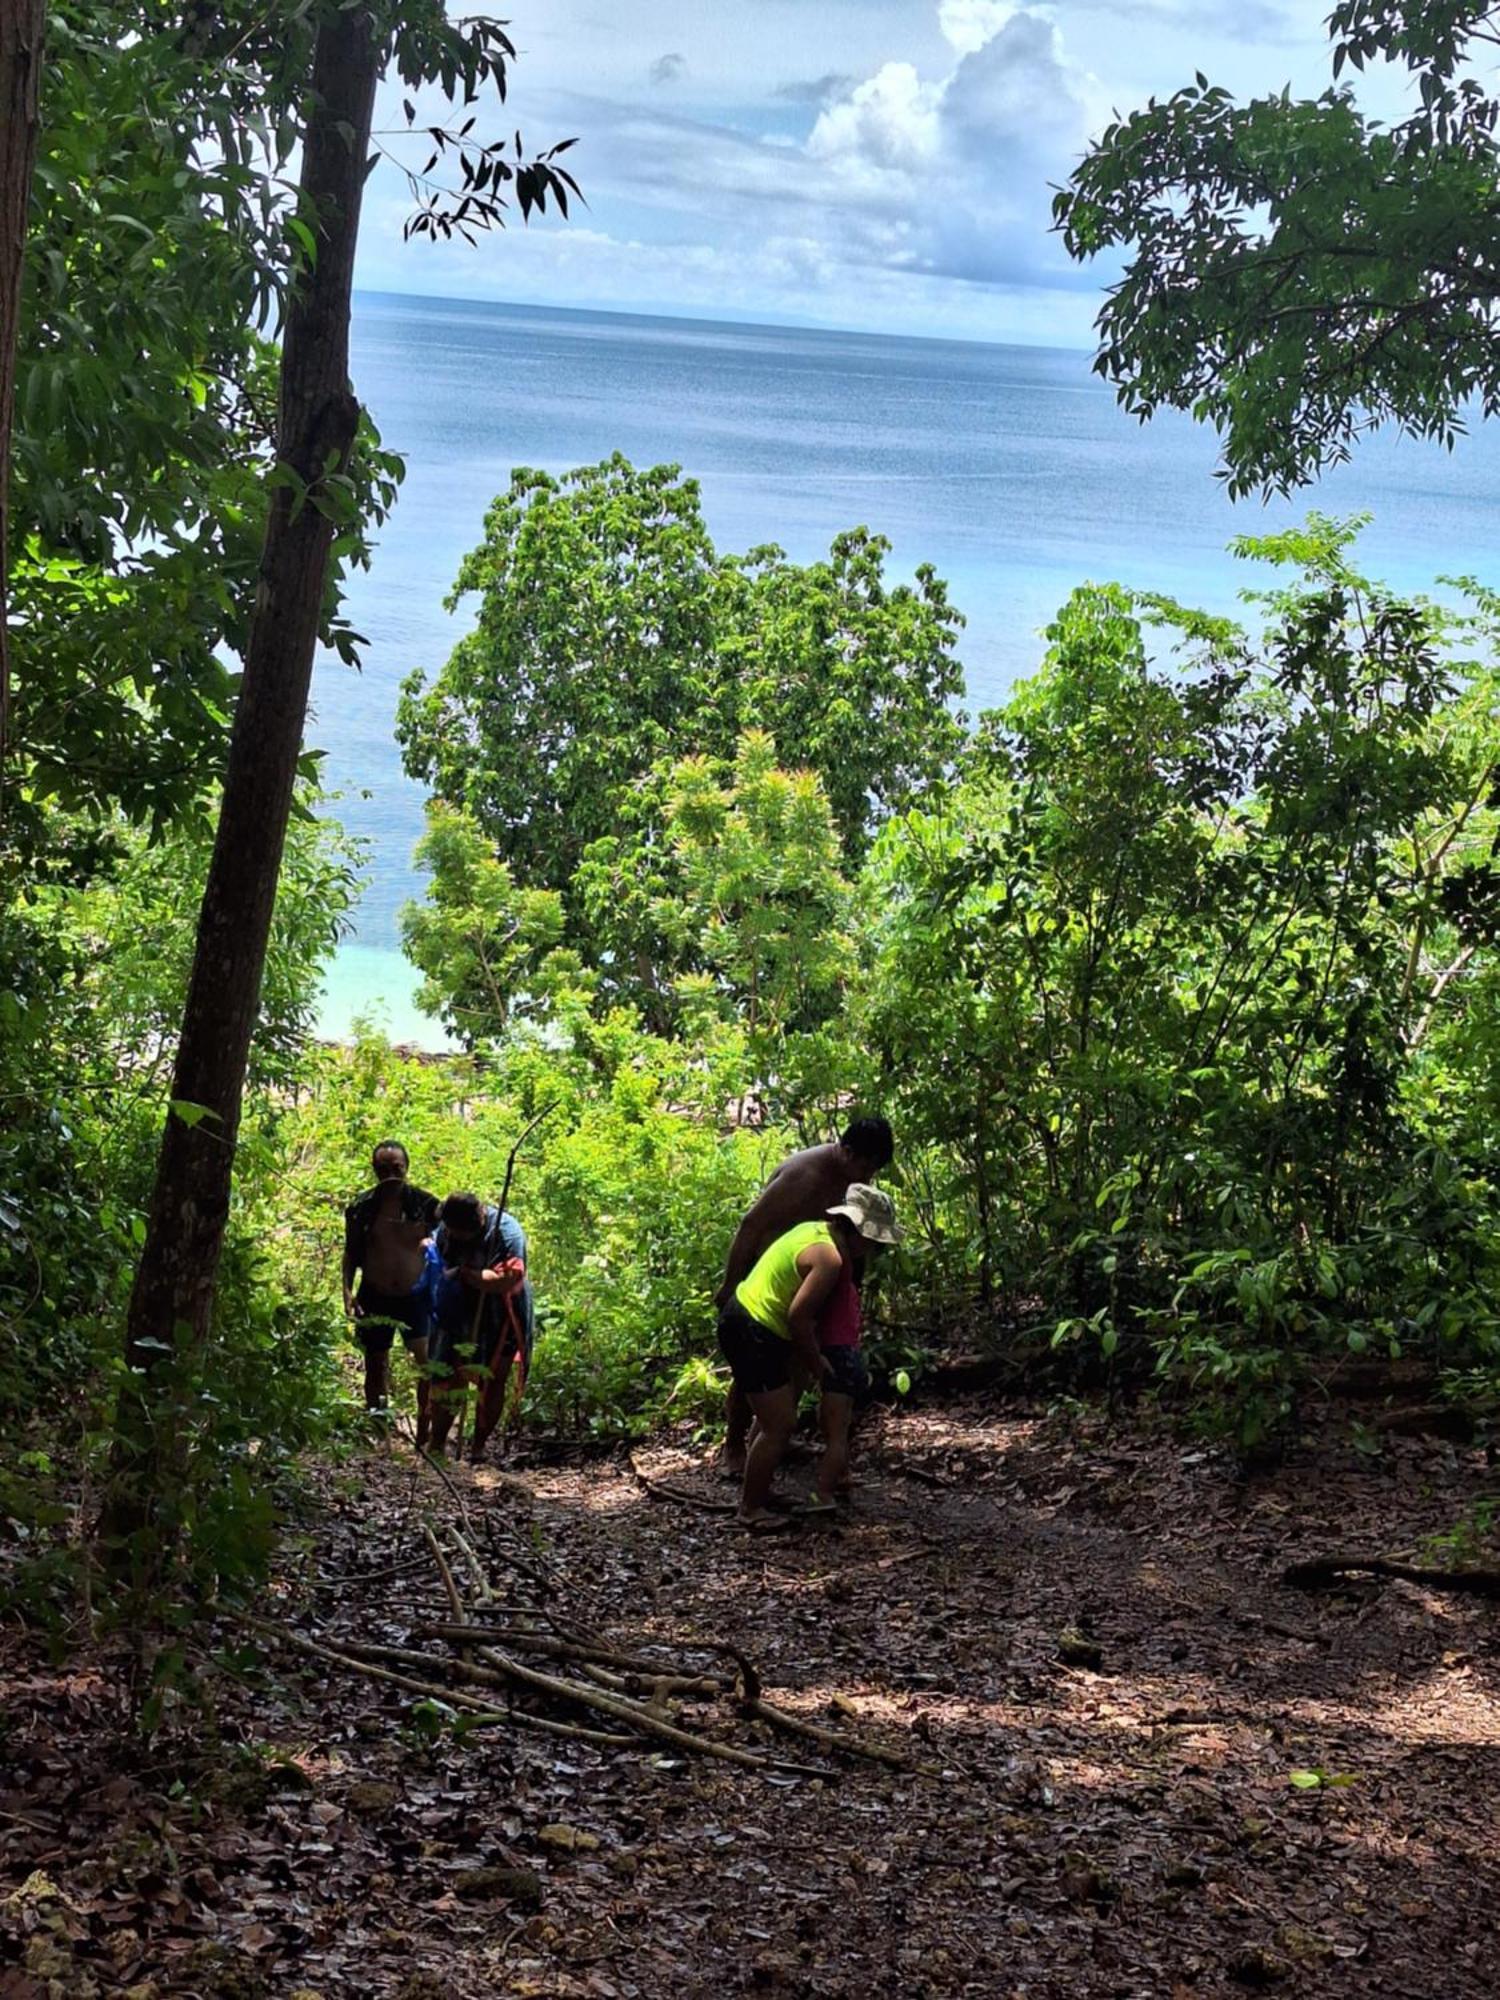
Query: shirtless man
column 385, row 1243
column 802, row 1189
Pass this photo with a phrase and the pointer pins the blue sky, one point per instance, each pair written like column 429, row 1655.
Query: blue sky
column 875, row 164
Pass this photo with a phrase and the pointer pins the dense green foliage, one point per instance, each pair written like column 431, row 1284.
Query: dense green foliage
column 93, row 980
column 613, row 640
column 626, row 1193
column 146, row 403
column 1180, row 992
column 1207, row 948
column 1178, row 974
column 1297, row 271
column 168, row 235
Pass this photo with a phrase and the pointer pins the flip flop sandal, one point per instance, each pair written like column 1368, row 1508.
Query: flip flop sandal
column 766, row 1524
column 817, row 1505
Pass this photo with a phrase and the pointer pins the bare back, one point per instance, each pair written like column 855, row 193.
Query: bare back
column 802, row 1189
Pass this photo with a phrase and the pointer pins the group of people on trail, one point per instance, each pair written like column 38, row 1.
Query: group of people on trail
column 450, row 1278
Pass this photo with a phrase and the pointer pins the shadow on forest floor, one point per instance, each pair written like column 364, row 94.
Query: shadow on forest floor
column 1130, row 1827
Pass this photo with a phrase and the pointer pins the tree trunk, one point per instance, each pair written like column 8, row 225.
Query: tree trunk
column 22, row 24
column 174, row 1287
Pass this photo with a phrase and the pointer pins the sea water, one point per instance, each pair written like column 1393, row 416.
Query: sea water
column 1011, row 469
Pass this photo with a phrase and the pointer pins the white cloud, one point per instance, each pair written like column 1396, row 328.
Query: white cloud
column 969, row 24
column 889, row 123
column 960, row 165
column 900, row 176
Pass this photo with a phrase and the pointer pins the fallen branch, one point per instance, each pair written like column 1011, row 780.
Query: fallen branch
column 520, row 1557
column 660, row 1489
column 918, row 1472
column 478, row 1712
column 482, row 1588
column 554, row 1646
column 370, row 1575
column 484, row 1677
column 450, row 1588
column 1325, row 1572
column 623, row 1710
column 832, row 1739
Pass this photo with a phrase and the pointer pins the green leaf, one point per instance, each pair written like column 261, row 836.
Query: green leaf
column 193, row 1114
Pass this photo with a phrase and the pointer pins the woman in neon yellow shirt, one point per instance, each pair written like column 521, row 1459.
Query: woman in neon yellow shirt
column 771, row 1322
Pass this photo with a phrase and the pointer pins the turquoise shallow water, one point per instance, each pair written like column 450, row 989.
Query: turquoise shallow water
column 1009, row 468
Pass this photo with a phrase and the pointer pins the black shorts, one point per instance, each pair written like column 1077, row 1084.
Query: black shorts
column 382, row 1315
column 850, row 1376
column 452, row 1348
column 758, row 1359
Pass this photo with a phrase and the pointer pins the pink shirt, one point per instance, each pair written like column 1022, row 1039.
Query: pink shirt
column 839, row 1326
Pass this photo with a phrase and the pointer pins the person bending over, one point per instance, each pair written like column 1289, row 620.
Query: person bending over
column 385, row 1250
column 802, row 1189
column 770, row 1328
column 484, row 1317
column 848, row 1378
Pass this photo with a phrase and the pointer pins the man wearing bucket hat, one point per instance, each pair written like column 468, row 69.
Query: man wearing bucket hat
column 770, row 1327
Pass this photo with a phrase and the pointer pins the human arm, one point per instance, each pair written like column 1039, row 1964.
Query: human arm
column 504, row 1268
column 351, row 1262
column 821, row 1267
column 506, row 1276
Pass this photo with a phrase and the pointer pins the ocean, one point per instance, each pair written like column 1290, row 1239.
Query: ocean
column 1011, row 469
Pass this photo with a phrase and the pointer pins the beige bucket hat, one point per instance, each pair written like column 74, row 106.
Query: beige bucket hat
column 872, row 1213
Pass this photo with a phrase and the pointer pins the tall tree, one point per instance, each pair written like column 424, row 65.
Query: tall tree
column 311, row 498
column 315, row 435
column 1296, row 272
column 614, row 639
column 22, row 26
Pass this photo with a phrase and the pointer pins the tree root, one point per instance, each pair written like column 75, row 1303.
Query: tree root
column 1326, row 1572
column 661, row 1489
column 833, row 1739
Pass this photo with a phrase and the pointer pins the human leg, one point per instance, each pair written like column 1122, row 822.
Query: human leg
column 417, row 1349
column 848, row 1384
column 737, row 1420
column 761, row 1366
column 775, row 1413
column 375, row 1344
column 489, row 1405
column 446, row 1385
column 835, row 1412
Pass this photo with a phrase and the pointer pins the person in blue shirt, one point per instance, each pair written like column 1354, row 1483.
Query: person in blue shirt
column 483, row 1315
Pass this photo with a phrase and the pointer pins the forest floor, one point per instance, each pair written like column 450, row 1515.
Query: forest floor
column 1138, row 1765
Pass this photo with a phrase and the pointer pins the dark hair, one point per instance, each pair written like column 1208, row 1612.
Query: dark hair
column 390, row 1146
column 871, row 1138
column 463, row 1211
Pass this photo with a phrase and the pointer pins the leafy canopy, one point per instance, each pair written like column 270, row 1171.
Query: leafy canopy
column 1296, row 272
column 613, row 639
column 164, row 233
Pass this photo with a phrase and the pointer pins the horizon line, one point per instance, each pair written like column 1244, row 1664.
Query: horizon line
column 707, row 317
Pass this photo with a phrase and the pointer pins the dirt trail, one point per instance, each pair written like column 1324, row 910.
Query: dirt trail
column 1079, row 1626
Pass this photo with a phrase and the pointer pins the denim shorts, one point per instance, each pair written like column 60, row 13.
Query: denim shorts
column 850, row 1375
